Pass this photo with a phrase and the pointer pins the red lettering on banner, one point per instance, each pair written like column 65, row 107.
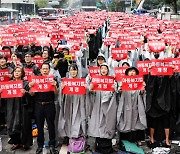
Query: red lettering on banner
column 103, row 83
column 165, row 70
column 132, row 83
column 42, row 83
column 119, row 53
column 74, row 86
column 119, row 73
column 4, row 75
column 11, row 89
column 94, row 70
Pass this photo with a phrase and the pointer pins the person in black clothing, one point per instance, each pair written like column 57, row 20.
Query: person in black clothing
column 29, row 64
column 36, row 71
column 45, row 109
column 62, row 65
column 3, row 103
column 18, row 119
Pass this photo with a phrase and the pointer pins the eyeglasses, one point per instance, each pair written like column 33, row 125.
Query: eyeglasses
column 27, row 56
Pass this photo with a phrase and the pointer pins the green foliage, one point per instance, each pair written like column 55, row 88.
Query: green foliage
column 113, row 6
column 152, row 4
column 41, row 3
column 172, row 3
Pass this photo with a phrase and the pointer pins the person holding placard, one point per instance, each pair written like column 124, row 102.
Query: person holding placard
column 102, row 118
column 45, row 109
column 72, row 118
column 4, row 75
column 159, row 108
column 18, row 118
column 131, row 116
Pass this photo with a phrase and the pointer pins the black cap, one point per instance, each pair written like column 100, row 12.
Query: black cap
column 132, row 68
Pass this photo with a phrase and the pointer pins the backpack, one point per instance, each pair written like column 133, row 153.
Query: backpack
column 77, row 145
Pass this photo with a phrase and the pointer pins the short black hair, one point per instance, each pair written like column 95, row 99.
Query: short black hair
column 73, row 66
column 125, row 63
column 29, row 53
column 3, row 57
column 46, row 63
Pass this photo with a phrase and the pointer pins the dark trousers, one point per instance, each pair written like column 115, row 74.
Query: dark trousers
column 47, row 112
column 104, row 145
column 15, row 138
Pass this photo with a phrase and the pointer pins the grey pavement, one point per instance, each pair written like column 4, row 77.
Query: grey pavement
column 32, row 150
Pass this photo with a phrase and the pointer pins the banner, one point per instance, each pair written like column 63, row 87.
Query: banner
column 74, row 86
column 119, row 73
column 18, row 61
column 42, row 83
column 28, row 73
column 109, row 41
column 143, row 67
column 11, row 89
column 7, row 53
column 176, row 63
column 156, row 46
column 161, row 70
column 132, row 83
column 4, row 75
column 94, row 70
column 103, row 83
column 38, row 61
column 161, row 63
column 119, row 53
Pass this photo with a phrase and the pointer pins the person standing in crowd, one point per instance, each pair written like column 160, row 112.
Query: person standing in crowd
column 15, row 61
column 45, row 110
column 38, row 54
column 18, row 118
column 35, row 71
column 29, row 64
column 131, row 115
column 102, row 119
column 45, row 56
column 159, row 106
column 3, row 103
column 72, row 118
column 62, row 65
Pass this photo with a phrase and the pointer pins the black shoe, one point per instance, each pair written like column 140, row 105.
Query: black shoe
column 53, row 150
column 10, row 141
column 39, row 150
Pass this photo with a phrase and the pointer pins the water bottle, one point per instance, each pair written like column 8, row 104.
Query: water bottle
column 0, row 144
column 44, row 150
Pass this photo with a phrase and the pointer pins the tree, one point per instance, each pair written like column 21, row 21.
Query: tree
column 152, row 4
column 114, row 5
column 41, row 3
column 172, row 3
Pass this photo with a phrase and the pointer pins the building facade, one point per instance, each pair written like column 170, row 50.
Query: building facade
column 23, row 6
